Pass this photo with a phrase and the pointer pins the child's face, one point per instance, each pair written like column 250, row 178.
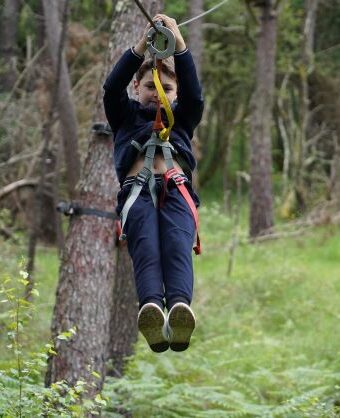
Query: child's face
column 146, row 91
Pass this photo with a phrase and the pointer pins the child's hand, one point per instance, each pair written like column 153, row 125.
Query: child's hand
column 141, row 46
column 172, row 25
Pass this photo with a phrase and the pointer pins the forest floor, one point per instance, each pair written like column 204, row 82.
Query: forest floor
column 267, row 342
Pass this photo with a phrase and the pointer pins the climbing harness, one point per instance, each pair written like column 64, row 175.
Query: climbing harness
column 161, row 45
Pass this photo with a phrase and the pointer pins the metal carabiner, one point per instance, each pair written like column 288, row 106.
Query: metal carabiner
column 161, row 44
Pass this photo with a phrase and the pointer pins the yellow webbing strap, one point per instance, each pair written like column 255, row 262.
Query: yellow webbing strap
column 165, row 133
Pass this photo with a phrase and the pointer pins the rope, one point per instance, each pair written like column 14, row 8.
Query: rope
column 204, row 13
column 146, row 14
column 183, row 23
column 165, row 133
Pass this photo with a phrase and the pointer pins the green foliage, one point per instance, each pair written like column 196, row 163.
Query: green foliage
column 265, row 345
column 90, row 13
column 22, row 393
column 290, row 36
column 177, row 9
column 28, row 24
column 327, row 41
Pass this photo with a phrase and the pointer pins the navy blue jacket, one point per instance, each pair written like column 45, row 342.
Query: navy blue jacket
column 129, row 120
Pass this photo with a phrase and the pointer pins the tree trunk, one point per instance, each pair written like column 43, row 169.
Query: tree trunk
column 95, row 294
column 123, row 327
column 44, row 212
column 335, row 169
column 66, row 107
column 261, row 199
column 335, row 173
column 84, row 293
column 299, row 175
column 8, row 44
column 195, row 43
column 195, row 34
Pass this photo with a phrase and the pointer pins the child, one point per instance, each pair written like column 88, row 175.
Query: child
column 160, row 239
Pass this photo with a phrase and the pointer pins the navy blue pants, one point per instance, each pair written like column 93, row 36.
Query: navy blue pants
column 160, row 244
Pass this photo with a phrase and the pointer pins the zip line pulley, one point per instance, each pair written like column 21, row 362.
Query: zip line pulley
column 161, row 41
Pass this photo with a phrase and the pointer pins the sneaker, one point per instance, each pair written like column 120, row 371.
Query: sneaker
column 181, row 324
column 152, row 324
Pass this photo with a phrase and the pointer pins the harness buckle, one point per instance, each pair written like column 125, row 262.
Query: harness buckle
column 178, row 178
column 174, row 175
column 143, row 176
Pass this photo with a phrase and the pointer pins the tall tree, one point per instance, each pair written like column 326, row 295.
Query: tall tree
column 42, row 205
column 94, row 291
column 8, row 44
column 195, row 34
column 65, row 105
column 306, row 68
column 261, row 199
column 195, row 43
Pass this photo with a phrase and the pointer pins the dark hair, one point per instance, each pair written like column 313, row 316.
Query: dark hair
column 167, row 69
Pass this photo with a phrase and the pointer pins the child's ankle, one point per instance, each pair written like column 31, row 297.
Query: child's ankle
column 177, row 299
column 152, row 300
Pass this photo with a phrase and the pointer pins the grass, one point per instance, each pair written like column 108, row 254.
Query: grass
column 46, row 275
column 267, row 342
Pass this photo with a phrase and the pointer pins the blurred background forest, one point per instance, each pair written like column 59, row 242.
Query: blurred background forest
column 268, row 151
column 305, row 128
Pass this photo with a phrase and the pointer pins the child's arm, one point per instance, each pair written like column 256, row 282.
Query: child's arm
column 189, row 96
column 116, row 100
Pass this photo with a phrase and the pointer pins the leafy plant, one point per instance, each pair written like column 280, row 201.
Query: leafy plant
column 264, row 344
column 22, row 393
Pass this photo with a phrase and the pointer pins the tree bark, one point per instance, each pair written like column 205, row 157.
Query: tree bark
column 44, row 208
column 335, row 184
column 96, row 292
column 195, row 34
column 261, row 199
column 335, row 173
column 66, row 109
column 84, row 293
column 195, row 43
column 8, row 44
column 311, row 7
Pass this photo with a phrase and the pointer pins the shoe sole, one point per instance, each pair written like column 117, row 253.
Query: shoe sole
column 150, row 324
column 182, row 323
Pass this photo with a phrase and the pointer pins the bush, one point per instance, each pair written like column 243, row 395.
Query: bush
column 22, row 393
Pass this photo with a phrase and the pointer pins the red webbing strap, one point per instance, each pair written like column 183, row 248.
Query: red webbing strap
column 190, row 202
column 187, row 197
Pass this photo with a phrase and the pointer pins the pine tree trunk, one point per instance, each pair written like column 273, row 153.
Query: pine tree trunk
column 66, row 109
column 335, row 169
column 95, row 294
column 195, row 34
column 123, row 327
column 195, row 43
column 307, row 67
column 8, row 43
column 261, row 199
